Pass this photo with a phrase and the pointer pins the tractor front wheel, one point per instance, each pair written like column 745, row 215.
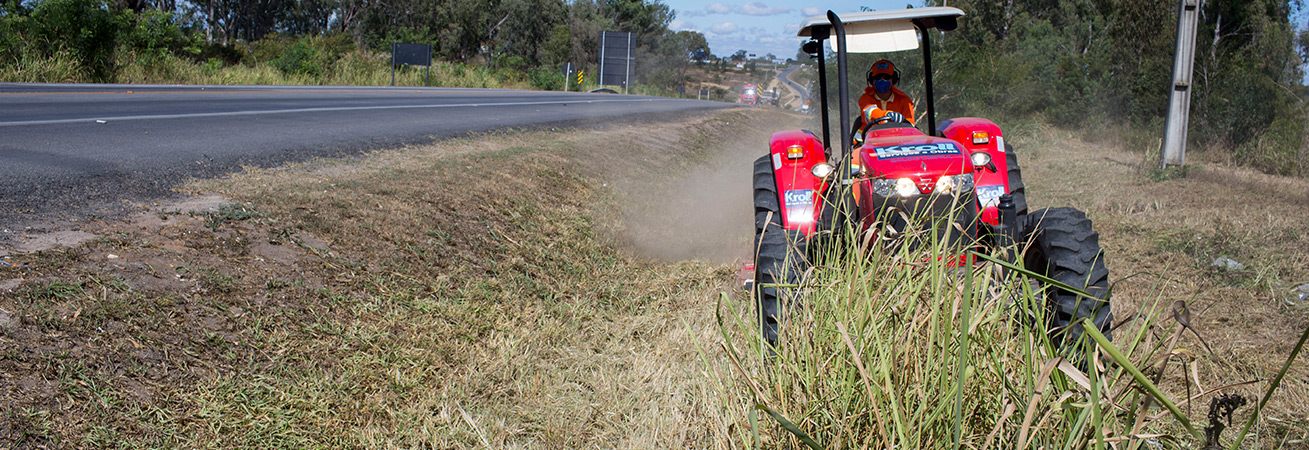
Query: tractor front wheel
column 779, row 257
column 1066, row 249
column 1016, row 188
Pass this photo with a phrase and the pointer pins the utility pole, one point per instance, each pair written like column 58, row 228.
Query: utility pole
column 627, row 76
column 1179, row 94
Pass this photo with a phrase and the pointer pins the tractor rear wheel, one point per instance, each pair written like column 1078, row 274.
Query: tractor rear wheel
column 779, row 257
column 1016, row 188
column 1066, row 249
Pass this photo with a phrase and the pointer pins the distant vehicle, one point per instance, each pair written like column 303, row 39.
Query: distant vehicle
column 750, row 95
column 770, row 97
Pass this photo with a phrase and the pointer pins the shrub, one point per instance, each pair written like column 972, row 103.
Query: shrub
column 299, row 58
column 546, row 78
column 156, row 34
column 86, row 29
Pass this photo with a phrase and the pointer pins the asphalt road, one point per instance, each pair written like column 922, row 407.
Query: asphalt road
column 785, row 77
column 67, row 151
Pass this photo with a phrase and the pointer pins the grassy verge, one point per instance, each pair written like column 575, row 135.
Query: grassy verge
column 877, row 357
column 470, row 294
column 892, row 348
column 485, row 293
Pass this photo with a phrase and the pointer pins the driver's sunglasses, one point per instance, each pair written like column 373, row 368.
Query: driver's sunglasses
column 881, row 77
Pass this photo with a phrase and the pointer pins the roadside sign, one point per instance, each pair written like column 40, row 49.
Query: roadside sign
column 616, row 58
column 411, row 55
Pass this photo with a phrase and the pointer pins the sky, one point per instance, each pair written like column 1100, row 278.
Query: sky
column 759, row 27
column 769, row 26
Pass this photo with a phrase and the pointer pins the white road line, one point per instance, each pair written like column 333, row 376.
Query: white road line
column 305, row 110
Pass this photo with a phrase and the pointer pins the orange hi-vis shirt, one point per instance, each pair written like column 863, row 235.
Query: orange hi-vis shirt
column 898, row 102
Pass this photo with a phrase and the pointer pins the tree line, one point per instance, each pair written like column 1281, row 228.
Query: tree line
column 1105, row 67
column 516, row 35
column 1097, row 63
column 1091, row 64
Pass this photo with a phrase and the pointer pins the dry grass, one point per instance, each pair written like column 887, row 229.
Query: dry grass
column 1162, row 232
column 469, row 294
column 501, row 292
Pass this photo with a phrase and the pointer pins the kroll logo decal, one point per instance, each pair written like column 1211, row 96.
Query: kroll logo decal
column 920, row 150
column 799, row 198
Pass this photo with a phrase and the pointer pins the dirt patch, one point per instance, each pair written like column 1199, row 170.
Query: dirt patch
column 33, row 241
column 54, row 235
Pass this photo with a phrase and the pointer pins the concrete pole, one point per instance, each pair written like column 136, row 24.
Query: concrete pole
column 627, row 77
column 602, row 59
column 1179, row 94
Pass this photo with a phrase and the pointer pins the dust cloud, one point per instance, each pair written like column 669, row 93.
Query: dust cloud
column 705, row 215
column 704, row 211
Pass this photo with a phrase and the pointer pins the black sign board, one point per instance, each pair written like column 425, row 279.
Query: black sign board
column 616, row 59
column 411, row 55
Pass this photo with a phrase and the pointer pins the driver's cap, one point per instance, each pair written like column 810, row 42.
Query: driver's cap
column 882, row 67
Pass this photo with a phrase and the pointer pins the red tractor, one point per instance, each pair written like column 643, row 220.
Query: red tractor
column 806, row 190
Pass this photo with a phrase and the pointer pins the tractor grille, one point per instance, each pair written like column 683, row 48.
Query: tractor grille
column 921, row 220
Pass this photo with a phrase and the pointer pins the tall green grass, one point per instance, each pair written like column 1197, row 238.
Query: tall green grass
column 30, row 67
column 891, row 347
column 358, row 67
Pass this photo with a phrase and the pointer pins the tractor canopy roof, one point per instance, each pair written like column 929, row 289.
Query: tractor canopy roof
column 885, row 31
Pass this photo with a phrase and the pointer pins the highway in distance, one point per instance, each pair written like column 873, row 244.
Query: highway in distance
column 71, row 150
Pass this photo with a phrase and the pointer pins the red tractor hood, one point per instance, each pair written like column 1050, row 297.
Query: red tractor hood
column 915, row 156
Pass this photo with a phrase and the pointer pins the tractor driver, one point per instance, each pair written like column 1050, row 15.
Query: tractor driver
column 882, row 93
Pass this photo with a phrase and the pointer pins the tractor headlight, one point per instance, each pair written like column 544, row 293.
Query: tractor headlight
column 903, row 187
column 981, row 159
column 954, row 184
column 822, row 170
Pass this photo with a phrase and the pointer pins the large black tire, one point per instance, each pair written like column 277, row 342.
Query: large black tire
column 1065, row 248
column 780, row 253
column 1016, row 188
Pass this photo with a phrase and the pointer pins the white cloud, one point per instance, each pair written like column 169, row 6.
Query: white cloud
column 792, row 28
column 811, row 11
column 724, row 28
column 718, row 8
column 682, row 25
column 761, row 9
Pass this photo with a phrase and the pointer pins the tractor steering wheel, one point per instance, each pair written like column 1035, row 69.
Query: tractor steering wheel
column 860, row 131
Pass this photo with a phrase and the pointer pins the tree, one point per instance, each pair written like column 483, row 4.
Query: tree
column 558, row 49
column 523, row 29
column 669, row 63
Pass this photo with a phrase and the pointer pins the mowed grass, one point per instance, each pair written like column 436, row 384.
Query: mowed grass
column 482, row 293
column 473, row 293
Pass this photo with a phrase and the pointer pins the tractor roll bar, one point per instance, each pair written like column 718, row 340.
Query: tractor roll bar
column 821, row 34
column 927, row 75
column 843, row 87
